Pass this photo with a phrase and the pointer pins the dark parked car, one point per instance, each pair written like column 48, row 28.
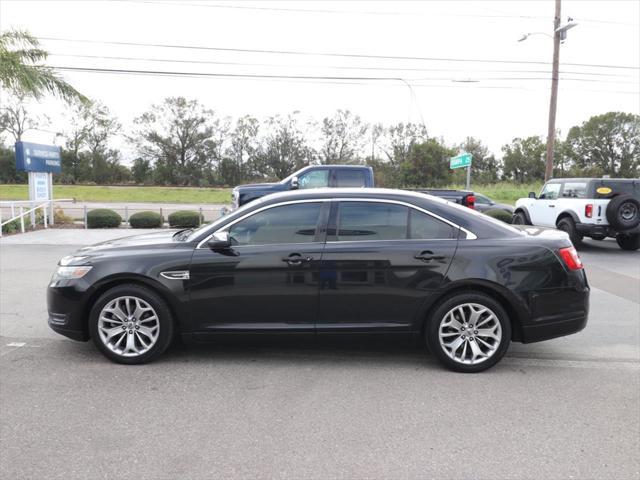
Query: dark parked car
column 328, row 261
column 313, row 176
column 484, row 203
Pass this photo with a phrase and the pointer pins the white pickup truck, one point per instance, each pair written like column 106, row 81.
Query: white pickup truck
column 586, row 207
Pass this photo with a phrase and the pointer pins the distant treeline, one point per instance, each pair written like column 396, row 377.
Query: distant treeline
column 180, row 142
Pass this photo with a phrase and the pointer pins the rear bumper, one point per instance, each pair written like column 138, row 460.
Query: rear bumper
column 588, row 230
column 556, row 314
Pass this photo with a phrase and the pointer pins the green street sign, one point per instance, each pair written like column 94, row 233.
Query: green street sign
column 461, row 161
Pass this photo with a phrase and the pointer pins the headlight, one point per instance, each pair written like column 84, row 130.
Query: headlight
column 68, row 273
column 64, row 261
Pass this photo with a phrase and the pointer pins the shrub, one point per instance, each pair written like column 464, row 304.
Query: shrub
column 60, row 217
column 185, row 219
column 146, row 219
column 501, row 215
column 103, row 218
column 11, row 227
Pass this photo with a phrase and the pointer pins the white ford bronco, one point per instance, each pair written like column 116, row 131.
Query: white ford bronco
column 586, row 207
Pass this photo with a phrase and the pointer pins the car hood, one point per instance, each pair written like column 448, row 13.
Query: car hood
column 146, row 239
column 257, row 186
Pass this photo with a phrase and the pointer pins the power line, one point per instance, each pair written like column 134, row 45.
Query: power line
column 326, row 54
column 269, row 76
column 337, row 67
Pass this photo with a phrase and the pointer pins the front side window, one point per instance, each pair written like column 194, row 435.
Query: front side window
column 314, row 179
column 550, row 191
column 284, row 224
column 350, row 178
column 574, row 190
column 372, row 221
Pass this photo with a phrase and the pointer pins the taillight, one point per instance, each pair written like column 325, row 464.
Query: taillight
column 570, row 258
column 588, row 210
column 471, row 201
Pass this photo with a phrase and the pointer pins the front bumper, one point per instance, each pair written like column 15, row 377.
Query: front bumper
column 66, row 308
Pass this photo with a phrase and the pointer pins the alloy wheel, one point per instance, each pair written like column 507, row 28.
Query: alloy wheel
column 128, row 326
column 470, row 333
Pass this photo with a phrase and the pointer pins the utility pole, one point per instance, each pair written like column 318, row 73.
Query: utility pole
column 553, row 104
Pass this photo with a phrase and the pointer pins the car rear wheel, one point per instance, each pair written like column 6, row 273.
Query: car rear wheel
column 519, row 218
column 567, row 225
column 628, row 241
column 469, row 332
column 131, row 324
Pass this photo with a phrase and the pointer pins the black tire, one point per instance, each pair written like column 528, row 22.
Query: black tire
column 628, row 241
column 566, row 224
column 439, row 315
column 519, row 218
column 623, row 212
column 165, row 323
column 598, row 237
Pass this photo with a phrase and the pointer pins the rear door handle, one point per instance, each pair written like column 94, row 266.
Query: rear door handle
column 297, row 259
column 551, row 206
column 428, row 255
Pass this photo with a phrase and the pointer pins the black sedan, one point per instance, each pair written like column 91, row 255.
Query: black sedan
column 326, row 262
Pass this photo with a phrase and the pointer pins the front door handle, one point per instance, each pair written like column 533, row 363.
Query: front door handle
column 551, row 206
column 428, row 255
column 297, row 259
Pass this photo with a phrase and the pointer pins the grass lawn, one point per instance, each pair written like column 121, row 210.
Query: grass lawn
column 90, row 193
column 504, row 192
column 500, row 192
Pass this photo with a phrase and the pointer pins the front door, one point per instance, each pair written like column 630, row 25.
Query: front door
column 545, row 209
column 268, row 280
column 380, row 264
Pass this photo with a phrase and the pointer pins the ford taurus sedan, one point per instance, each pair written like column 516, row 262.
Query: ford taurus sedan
column 326, row 262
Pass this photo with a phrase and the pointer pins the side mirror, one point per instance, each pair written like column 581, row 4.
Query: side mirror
column 294, row 183
column 219, row 241
column 532, row 195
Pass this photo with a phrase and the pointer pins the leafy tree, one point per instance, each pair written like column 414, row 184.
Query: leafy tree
column 142, row 171
column 285, row 147
column 176, row 137
column 399, row 139
column 22, row 71
column 524, row 159
column 427, row 165
column 243, row 150
column 342, row 138
column 8, row 173
column 606, row 144
column 17, row 119
column 484, row 166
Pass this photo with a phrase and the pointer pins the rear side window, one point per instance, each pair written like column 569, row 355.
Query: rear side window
column 426, row 227
column 350, row 178
column 632, row 188
column 574, row 190
column 372, row 221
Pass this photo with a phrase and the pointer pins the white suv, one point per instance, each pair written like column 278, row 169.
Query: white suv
column 586, row 207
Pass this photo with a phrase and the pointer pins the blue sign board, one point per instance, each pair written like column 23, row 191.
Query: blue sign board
column 33, row 157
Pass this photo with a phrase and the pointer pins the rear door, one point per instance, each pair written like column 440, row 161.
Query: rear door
column 380, row 263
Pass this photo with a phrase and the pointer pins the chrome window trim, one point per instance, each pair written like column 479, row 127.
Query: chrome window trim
column 469, row 235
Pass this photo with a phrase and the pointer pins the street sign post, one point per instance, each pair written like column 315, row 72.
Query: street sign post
column 462, row 161
column 41, row 162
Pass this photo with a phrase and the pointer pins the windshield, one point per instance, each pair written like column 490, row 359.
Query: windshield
column 213, row 226
column 294, row 174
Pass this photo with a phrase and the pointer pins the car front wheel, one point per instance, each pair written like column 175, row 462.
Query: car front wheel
column 131, row 324
column 519, row 218
column 469, row 332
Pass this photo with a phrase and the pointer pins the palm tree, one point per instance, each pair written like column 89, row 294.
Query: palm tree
column 22, row 70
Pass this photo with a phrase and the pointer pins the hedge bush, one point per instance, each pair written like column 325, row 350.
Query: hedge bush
column 185, row 219
column 145, row 219
column 103, row 218
column 501, row 215
column 12, row 227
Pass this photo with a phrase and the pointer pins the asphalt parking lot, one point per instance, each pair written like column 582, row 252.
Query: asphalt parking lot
column 567, row 408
